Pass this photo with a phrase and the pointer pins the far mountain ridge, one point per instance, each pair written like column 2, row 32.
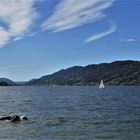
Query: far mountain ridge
column 7, row 81
column 115, row 73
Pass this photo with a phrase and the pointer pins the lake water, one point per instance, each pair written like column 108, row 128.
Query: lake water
column 71, row 113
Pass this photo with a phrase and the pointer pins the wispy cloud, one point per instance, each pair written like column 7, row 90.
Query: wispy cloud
column 73, row 13
column 78, row 52
column 32, row 64
column 102, row 34
column 18, row 66
column 4, row 36
column 129, row 40
column 16, row 18
column 10, row 67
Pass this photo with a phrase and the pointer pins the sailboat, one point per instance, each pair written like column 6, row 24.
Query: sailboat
column 101, row 86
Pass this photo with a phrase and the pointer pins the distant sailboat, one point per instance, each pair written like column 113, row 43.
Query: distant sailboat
column 101, row 86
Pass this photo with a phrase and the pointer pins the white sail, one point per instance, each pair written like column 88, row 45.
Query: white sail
column 102, row 84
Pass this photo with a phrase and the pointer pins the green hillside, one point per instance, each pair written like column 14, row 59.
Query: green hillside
column 115, row 73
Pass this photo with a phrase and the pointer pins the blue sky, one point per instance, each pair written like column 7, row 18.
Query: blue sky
column 39, row 37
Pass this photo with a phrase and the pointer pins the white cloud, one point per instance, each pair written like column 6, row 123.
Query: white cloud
column 102, row 34
column 16, row 18
column 10, row 67
column 33, row 64
column 129, row 40
column 4, row 36
column 73, row 13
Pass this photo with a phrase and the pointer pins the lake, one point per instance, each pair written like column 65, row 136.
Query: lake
column 71, row 112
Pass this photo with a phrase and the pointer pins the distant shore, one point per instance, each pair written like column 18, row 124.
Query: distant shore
column 118, row 73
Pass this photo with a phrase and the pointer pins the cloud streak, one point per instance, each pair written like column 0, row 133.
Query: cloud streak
column 131, row 40
column 16, row 18
column 102, row 34
column 18, row 66
column 74, row 13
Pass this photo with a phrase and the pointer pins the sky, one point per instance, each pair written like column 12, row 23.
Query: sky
column 40, row 37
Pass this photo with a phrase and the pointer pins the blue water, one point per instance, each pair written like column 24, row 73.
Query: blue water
column 71, row 113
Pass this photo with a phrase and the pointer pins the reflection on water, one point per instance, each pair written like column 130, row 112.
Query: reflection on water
column 77, row 113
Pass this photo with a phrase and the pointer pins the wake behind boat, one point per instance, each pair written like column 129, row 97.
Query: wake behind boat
column 101, row 86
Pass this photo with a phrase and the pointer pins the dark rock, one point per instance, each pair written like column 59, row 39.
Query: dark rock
column 15, row 119
column 5, row 118
column 24, row 118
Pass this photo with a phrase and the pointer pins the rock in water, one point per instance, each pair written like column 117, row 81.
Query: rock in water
column 15, row 119
column 5, row 118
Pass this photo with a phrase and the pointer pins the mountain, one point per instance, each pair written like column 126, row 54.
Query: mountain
column 5, row 81
column 115, row 73
column 21, row 82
